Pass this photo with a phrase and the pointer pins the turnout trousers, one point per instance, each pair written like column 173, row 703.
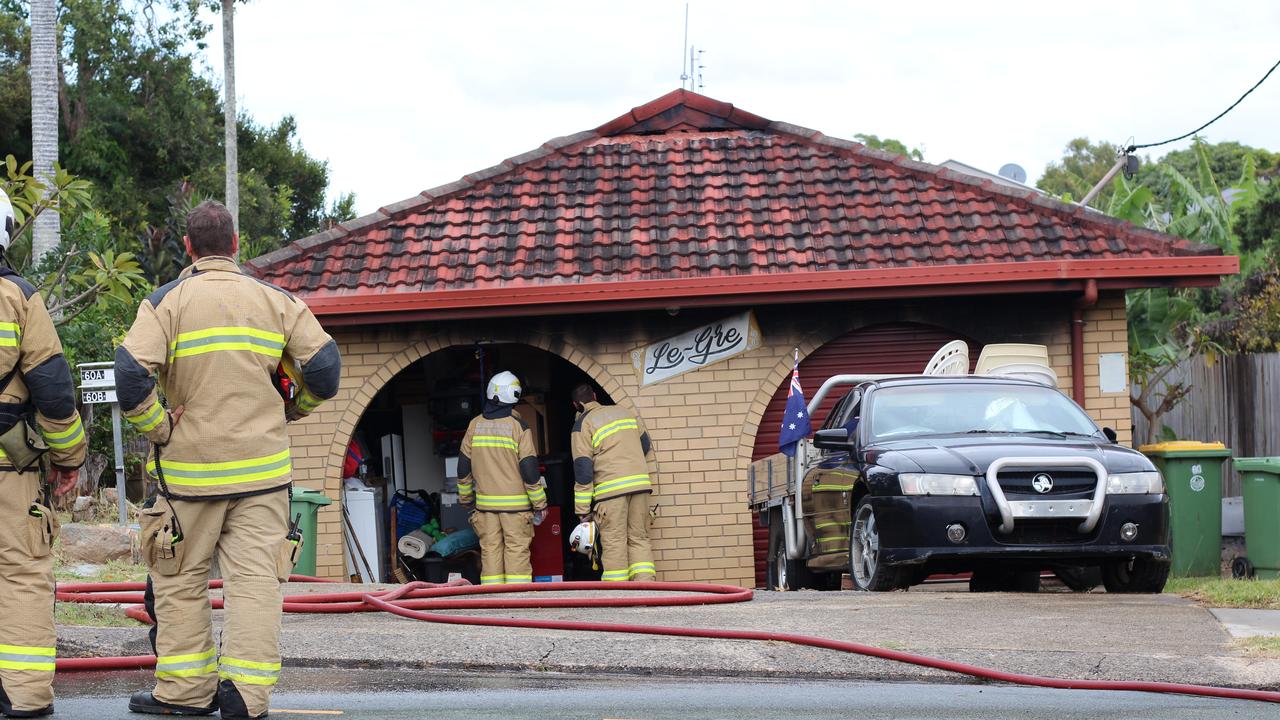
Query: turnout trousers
column 624, row 533
column 248, row 534
column 28, row 645
column 505, row 538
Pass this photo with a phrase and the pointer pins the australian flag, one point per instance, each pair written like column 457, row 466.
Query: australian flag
column 795, row 421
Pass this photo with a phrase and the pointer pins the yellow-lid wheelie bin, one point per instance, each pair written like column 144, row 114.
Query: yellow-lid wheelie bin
column 1261, row 479
column 1193, row 480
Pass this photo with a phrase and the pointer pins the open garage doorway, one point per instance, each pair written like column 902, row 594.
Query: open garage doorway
column 409, row 439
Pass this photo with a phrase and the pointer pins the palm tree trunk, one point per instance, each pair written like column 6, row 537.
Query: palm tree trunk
column 229, row 109
column 44, row 118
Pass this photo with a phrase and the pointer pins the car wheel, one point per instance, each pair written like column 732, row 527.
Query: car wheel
column 782, row 573
column 1023, row 581
column 865, row 568
column 1135, row 576
column 1079, row 578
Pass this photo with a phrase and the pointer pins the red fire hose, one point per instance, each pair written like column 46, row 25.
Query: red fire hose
column 412, row 600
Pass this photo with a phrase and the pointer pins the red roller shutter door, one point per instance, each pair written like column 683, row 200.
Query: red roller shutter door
column 879, row 349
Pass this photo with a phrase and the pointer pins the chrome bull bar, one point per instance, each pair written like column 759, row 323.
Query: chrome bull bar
column 1089, row 510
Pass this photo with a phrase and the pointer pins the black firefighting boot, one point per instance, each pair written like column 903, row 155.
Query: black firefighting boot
column 144, row 702
column 232, row 705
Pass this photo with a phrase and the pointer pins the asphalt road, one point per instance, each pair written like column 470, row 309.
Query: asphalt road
column 360, row 694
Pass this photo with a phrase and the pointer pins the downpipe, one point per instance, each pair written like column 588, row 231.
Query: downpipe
column 414, row 601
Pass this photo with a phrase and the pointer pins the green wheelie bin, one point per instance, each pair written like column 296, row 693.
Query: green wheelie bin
column 1193, row 480
column 1261, row 479
column 307, row 503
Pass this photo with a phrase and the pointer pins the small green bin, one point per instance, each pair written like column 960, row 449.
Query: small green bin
column 1193, row 480
column 307, row 503
column 1261, row 479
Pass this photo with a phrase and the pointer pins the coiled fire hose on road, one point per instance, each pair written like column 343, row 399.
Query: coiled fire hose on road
column 423, row 601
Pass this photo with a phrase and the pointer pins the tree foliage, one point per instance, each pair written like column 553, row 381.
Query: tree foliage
column 139, row 117
column 897, row 147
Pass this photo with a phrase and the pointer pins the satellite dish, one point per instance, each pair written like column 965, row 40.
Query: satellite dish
column 1014, row 172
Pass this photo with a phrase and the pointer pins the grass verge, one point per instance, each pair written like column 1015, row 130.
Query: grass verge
column 1266, row 647
column 1219, row 593
column 91, row 615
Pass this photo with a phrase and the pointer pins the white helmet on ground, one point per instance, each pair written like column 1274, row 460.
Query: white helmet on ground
column 505, row 388
column 583, row 537
column 8, row 221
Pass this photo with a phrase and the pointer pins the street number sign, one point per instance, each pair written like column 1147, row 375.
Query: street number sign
column 97, row 377
column 97, row 397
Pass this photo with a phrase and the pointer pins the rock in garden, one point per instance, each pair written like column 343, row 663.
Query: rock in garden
column 98, row 544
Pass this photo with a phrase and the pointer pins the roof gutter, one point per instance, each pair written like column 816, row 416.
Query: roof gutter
column 1043, row 276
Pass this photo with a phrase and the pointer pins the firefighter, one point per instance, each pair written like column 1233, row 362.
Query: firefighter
column 611, row 456
column 498, row 478
column 218, row 340
column 37, row 382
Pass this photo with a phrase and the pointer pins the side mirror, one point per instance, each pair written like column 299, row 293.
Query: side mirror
column 833, row 439
column 1111, row 435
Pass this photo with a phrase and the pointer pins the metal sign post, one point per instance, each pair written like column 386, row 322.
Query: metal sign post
column 98, row 386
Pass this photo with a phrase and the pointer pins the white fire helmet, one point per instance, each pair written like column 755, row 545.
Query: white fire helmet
column 583, row 537
column 8, row 221
column 505, row 388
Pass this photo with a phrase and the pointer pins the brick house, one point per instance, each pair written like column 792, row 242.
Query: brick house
column 577, row 260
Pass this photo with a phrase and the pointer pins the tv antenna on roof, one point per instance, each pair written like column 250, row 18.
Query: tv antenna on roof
column 690, row 60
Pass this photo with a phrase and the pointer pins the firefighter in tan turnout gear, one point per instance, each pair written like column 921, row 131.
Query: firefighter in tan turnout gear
column 216, row 338
column 36, row 384
column 611, row 455
column 498, row 477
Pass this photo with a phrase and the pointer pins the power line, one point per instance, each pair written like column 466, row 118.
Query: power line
column 1131, row 148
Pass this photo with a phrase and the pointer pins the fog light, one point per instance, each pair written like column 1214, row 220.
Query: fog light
column 1128, row 532
column 956, row 533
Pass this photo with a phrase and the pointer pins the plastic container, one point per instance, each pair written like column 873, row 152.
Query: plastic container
column 1193, row 480
column 307, row 503
column 1261, row 479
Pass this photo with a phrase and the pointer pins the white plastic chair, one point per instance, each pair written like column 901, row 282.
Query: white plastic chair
column 951, row 359
column 998, row 354
column 1042, row 374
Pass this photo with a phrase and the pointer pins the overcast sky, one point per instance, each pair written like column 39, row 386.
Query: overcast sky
column 401, row 96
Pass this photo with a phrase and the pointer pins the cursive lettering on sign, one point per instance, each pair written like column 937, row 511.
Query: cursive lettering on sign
column 696, row 349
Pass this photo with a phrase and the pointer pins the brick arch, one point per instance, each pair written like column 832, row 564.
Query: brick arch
column 364, row 395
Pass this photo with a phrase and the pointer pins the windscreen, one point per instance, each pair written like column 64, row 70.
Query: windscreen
column 943, row 409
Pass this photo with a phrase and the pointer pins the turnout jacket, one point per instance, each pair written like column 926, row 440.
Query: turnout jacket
column 215, row 336
column 498, row 466
column 611, row 454
column 39, row 379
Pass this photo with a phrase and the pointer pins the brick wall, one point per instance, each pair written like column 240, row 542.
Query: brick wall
column 703, row 423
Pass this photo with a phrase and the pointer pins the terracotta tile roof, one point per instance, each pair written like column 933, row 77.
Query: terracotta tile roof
column 687, row 187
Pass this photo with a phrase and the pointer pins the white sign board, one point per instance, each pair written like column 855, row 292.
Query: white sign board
column 97, row 377
column 97, row 397
column 1113, row 376
column 697, row 348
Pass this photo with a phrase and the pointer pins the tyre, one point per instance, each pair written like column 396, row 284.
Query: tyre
column 1135, row 576
column 1004, row 580
column 1079, row 578
column 1242, row 569
column 782, row 573
column 865, row 568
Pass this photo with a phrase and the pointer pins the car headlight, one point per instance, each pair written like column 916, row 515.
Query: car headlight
column 1138, row 483
column 935, row 484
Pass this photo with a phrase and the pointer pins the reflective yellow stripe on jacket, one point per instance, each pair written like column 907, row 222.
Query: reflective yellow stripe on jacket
column 28, row 657
column 495, row 441
column 64, row 439
column 10, row 334
column 198, row 342
column 148, row 419
column 195, row 474
column 191, row 665
column 250, row 672
column 628, row 482
column 611, row 428
column 502, row 502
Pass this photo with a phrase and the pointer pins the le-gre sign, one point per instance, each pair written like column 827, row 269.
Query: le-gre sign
column 697, row 348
